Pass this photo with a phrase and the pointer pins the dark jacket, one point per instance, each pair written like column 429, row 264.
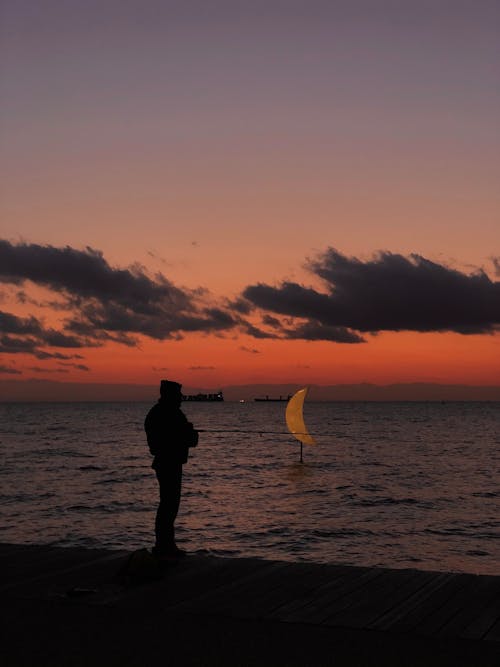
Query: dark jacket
column 169, row 434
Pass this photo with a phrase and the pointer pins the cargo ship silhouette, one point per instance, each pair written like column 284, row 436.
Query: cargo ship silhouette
column 204, row 397
column 268, row 399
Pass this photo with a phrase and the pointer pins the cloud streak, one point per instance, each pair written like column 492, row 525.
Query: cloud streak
column 9, row 370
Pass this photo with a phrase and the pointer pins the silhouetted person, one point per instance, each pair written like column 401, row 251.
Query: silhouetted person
column 169, row 435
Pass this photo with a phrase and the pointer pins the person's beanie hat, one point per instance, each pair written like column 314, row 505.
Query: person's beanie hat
column 169, row 388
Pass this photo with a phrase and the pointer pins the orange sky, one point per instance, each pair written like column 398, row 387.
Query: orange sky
column 225, row 149
column 212, row 363
column 392, row 358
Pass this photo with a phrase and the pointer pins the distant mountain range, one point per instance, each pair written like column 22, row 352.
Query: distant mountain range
column 50, row 390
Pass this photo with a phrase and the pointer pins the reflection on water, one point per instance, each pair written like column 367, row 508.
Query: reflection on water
column 299, row 471
column 396, row 485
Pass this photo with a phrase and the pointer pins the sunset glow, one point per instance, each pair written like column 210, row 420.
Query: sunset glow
column 250, row 196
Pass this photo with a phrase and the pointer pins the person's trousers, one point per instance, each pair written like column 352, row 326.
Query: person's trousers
column 170, row 481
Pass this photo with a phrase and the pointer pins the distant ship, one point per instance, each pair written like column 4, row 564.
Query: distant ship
column 267, row 399
column 204, row 397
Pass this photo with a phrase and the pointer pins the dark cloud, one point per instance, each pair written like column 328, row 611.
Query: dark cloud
column 390, row 292
column 10, row 370
column 41, row 354
column 82, row 273
column 201, row 368
column 93, row 335
column 316, row 331
column 241, row 306
column 78, row 367
column 254, row 331
column 161, row 322
column 27, row 335
column 288, row 299
column 81, row 367
column 270, row 321
column 13, row 345
column 219, row 319
column 39, row 369
column 293, row 301
column 107, row 303
column 250, row 350
column 11, row 324
column 53, row 338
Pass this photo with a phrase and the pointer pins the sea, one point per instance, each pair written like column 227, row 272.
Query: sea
column 398, row 485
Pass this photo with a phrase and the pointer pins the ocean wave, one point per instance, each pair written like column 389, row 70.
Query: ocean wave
column 478, row 552
column 486, row 494
column 109, row 508
column 340, row 533
column 34, row 498
column 65, row 453
column 390, row 500
column 468, row 532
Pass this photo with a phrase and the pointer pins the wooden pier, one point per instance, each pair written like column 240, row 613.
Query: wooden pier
column 424, row 616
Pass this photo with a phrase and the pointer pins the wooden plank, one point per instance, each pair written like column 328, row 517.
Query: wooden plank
column 493, row 634
column 34, row 554
column 393, row 590
column 182, row 581
column 326, row 580
column 248, row 596
column 400, row 610
column 39, row 561
column 294, row 582
column 10, row 550
column 221, row 574
column 69, row 567
column 378, row 597
column 443, row 614
column 334, row 598
column 482, row 592
column 217, row 572
column 313, row 605
column 484, row 621
column 233, row 581
column 437, row 598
